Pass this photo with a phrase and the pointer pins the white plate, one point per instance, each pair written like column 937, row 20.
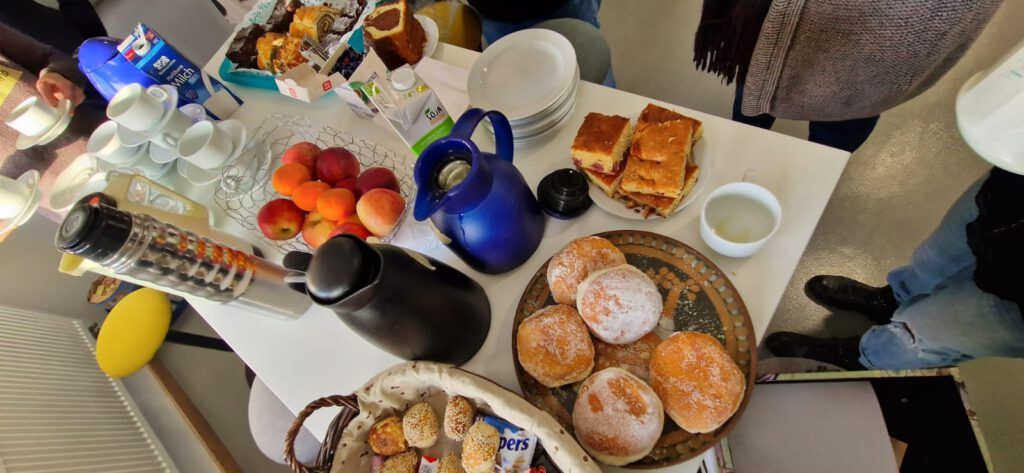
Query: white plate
column 523, row 73
column 615, row 207
column 431, row 31
column 31, row 180
column 71, row 183
column 25, row 141
column 571, row 90
column 551, row 121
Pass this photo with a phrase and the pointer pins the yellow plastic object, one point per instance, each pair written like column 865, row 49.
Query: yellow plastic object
column 132, row 332
column 457, row 23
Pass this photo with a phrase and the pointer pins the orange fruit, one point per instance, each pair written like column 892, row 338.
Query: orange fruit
column 336, row 204
column 306, row 193
column 286, row 178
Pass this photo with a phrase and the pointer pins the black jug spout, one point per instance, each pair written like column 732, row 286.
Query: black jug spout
column 405, row 303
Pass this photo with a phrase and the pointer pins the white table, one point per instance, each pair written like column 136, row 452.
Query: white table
column 317, row 355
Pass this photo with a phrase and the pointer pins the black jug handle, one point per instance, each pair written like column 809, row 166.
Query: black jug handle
column 502, row 130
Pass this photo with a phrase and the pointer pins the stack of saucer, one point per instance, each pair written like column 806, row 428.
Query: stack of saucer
column 530, row 76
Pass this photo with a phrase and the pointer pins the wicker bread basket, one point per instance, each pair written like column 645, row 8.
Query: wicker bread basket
column 345, row 448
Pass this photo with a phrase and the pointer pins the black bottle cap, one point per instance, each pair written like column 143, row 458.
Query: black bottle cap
column 94, row 232
column 564, row 193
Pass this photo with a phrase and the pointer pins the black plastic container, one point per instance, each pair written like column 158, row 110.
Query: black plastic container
column 564, row 194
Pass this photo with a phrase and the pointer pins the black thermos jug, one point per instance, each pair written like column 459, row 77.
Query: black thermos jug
column 405, row 303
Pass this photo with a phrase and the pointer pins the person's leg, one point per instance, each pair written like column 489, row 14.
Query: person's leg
column 957, row 323
column 943, row 255
column 846, row 135
column 761, row 121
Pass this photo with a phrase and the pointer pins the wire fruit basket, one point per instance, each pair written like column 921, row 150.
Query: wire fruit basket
column 245, row 185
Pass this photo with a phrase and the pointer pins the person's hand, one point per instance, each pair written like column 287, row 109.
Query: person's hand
column 54, row 87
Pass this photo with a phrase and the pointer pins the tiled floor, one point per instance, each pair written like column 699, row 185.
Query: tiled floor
column 894, row 191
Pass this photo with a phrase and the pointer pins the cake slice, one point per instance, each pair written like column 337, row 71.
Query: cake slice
column 313, row 22
column 653, row 115
column 395, row 35
column 664, row 178
column 608, row 183
column 601, row 143
column 663, row 206
column 663, row 141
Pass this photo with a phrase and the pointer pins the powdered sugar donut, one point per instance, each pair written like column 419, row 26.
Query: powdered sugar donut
column 576, row 261
column 617, row 417
column 619, row 304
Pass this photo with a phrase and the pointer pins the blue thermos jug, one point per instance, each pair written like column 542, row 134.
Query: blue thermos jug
column 479, row 202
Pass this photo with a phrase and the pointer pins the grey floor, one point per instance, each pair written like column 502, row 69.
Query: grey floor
column 893, row 193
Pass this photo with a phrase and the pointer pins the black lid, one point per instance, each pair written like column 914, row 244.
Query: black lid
column 94, row 232
column 338, row 268
column 564, row 193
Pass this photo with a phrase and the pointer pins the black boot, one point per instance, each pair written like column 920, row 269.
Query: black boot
column 839, row 293
column 842, row 352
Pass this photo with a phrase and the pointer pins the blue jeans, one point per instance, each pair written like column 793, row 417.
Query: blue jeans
column 584, row 10
column 943, row 318
column 846, row 135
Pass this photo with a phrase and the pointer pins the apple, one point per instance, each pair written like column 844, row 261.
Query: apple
column 379, row 210
column 335, row 164
column 352, row 228
column 350, row 184
column 377, row 178
column 304, row 153
column 316, row 229
column 280, row 219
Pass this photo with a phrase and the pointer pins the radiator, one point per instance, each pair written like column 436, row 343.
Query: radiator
column 58, row 411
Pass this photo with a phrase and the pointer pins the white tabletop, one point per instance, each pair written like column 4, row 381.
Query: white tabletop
column 317, row 355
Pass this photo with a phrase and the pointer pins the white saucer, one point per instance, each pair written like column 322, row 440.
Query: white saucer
column 522, row 74
column 161, row 155
column 31, row 180
column 615, row 207
column 239, row 136
column 74, row 181
column 58, row 127
column 431, row 31
column 197, row 175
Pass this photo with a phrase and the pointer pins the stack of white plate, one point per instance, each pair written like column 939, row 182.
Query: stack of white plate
column 530, row 76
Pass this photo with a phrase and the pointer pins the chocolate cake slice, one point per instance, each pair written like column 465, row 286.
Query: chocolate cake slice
column 395, row 35
column 242, row 50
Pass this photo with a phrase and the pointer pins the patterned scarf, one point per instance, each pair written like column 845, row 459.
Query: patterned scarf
column 727, row 36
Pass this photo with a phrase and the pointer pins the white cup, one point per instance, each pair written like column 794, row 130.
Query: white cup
column 172, row 129
column 13, row 197
column 738, row 218
column 137, row 108
column 206, row 145
column 105, row 143
column 32, row 117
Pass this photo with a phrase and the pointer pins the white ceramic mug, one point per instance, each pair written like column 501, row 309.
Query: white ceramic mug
column 206, row 145
column 738, row 218
column 32, row 117
column 172, row 130
column 13, row 197
column 105, row 143
column 137, row 108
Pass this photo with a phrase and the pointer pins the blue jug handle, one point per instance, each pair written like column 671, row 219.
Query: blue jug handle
column 502, row 130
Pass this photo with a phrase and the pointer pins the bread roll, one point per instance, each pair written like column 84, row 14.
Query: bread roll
column 554, row 346
column 420, row 426
column 619, row 304
column 405, row 462
column 617, row 417
column 633, row 357
column 574, row 263
column 450, row 463
column 387, row 438
column 459, row 415
column 699, row 383
column 480, row 448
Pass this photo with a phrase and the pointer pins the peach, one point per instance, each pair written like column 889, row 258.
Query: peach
column 352, row 228
column 377, row 177
column 286, row 178
column 336, row 204
column 335, row 164
column 316, row 229
column 280, row 219
column 306, row 193
column 379, row 210
column 350, row 184
column 304, row 153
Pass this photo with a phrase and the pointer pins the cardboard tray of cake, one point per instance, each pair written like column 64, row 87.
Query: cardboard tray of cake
column 304, row 48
